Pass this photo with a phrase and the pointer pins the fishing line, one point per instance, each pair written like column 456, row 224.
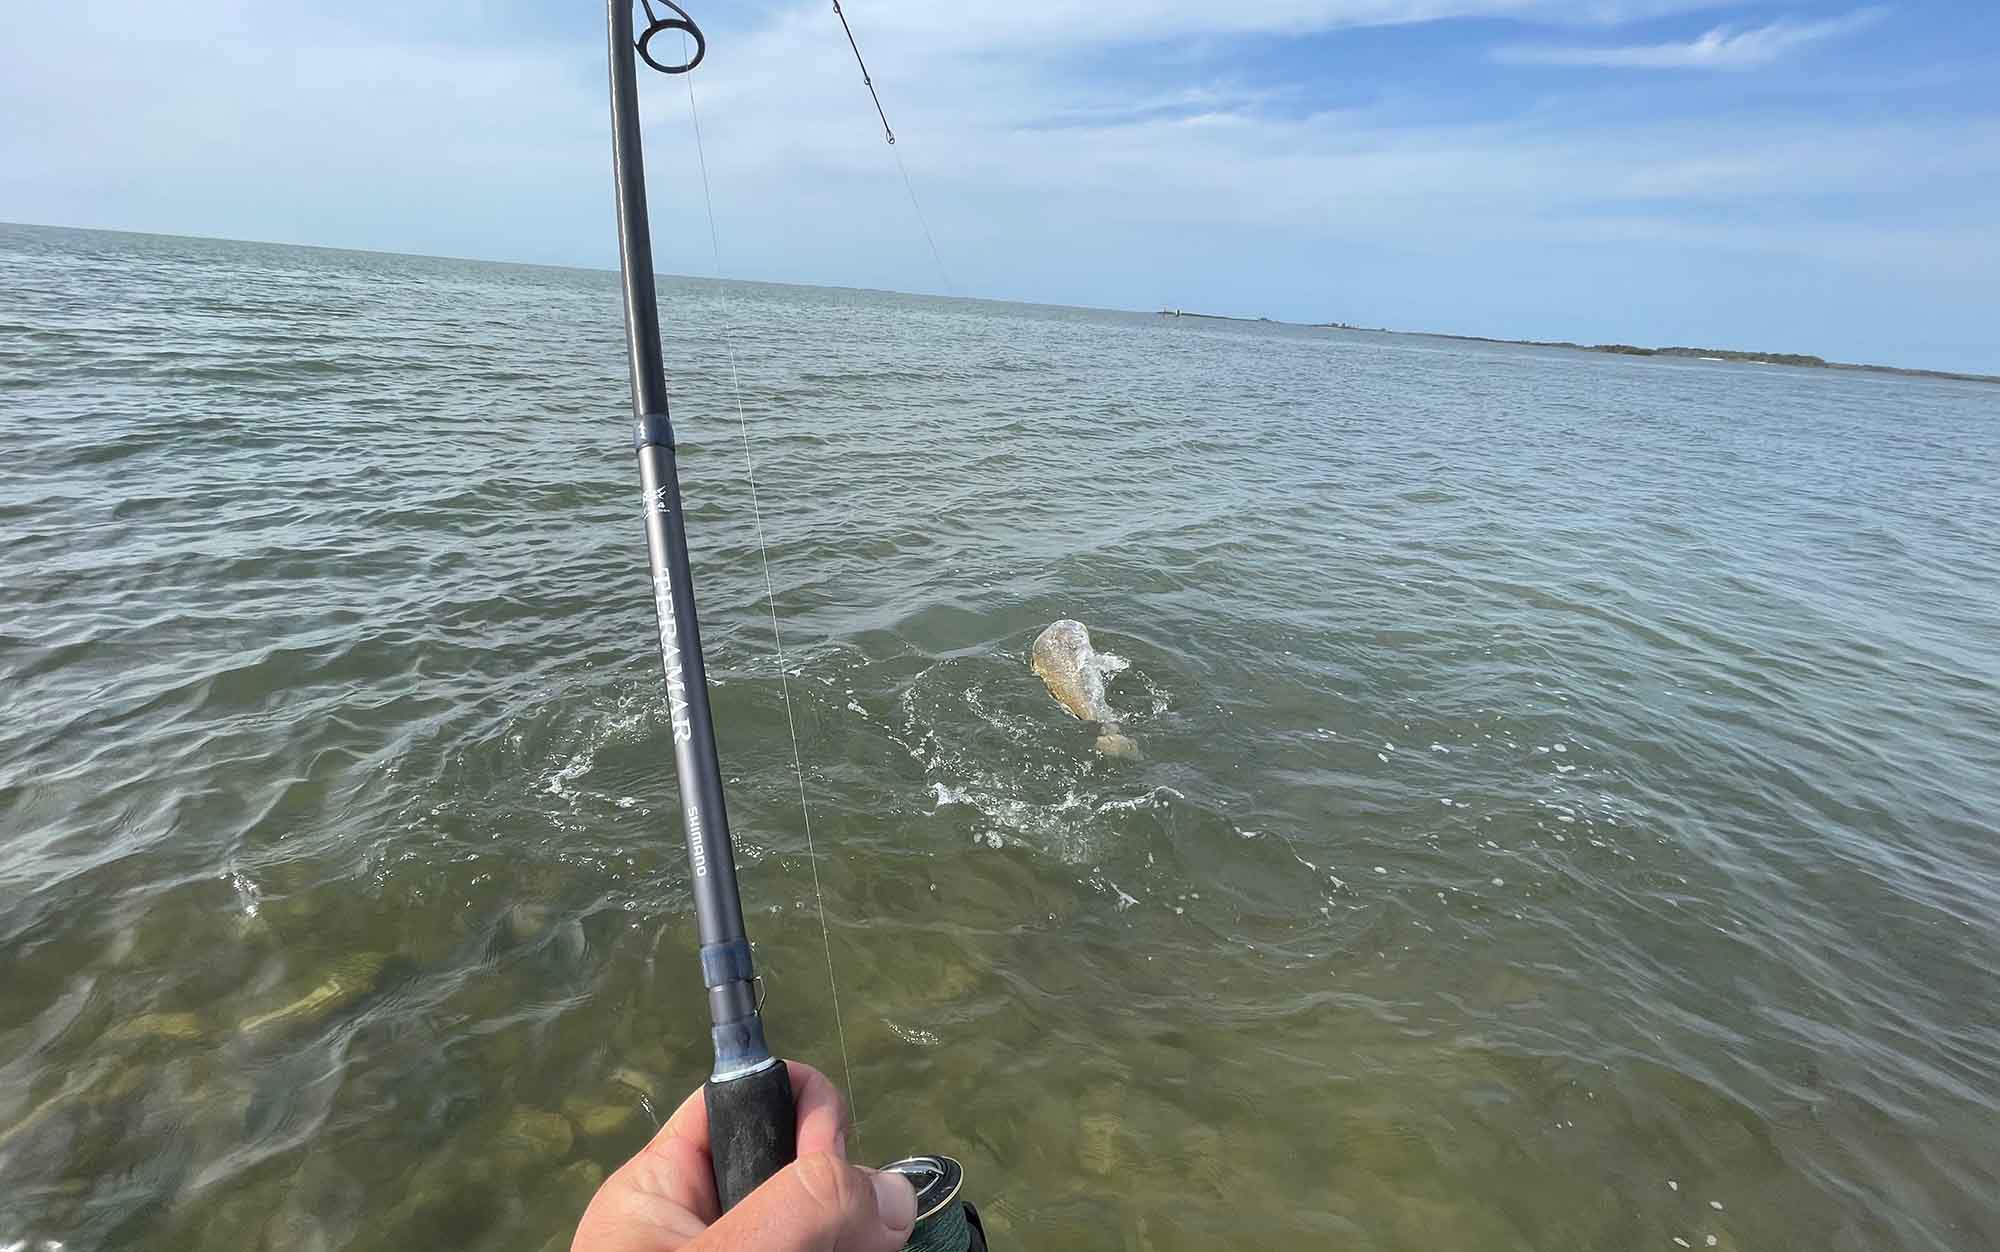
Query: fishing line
column 751, row 1109
column 945, row 1222
column 919, row 210
column 777, row 634
column 894, row 151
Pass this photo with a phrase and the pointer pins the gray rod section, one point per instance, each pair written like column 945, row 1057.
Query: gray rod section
column 725, row 948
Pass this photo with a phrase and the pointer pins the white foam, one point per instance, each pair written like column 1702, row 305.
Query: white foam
column 578, row 766
column 247, row 894
column 1152, row 799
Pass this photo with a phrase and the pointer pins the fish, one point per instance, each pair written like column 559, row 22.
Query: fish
column 1075, row 674
column 350, row 979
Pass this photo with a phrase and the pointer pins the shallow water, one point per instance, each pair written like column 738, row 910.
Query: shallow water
column 1566, row 816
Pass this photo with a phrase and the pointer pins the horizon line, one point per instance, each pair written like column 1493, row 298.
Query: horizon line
column 1901, row 370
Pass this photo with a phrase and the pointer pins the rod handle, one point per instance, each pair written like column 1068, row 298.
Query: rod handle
column 752, row 1130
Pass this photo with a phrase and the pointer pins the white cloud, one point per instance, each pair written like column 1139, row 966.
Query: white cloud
column 1722, row 48
column 1041, row 179
column 977, row 125
column 235, row 117
column 1055, row 24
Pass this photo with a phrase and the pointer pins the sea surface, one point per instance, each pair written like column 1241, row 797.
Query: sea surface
column 1566, row 816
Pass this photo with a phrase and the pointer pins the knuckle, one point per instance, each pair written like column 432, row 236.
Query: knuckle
column 827, row 1181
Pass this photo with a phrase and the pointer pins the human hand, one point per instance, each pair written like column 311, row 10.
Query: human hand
column 663, row 1199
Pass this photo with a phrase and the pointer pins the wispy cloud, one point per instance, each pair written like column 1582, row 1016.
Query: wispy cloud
column 1722, row 48
column 1058, row 24
column 1227, row 180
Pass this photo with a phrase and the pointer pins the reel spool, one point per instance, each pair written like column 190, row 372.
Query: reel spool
column 945, row 1222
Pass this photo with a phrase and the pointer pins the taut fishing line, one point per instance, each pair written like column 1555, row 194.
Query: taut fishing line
column 752, row 1114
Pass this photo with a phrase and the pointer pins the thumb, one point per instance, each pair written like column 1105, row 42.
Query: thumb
column 819, row 1203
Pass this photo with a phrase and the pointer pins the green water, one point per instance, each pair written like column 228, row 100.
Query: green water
column 1566, row 816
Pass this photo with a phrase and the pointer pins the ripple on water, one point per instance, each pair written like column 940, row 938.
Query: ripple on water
column 1565, row 817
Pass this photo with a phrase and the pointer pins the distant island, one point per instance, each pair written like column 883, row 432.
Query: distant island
column 1213, row 317
column 1795, row 359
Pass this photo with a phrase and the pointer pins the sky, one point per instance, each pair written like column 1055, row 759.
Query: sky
column 1785, row 176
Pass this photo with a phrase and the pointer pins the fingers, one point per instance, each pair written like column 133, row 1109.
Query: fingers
column 676, row 1163
column 819, row 1203
column 822, row 1113
column 659, row 1200
column 665, row 1196
column 689, row 1122
column 674, row 1167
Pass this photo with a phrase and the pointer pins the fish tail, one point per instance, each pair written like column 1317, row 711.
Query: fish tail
column 1113, row 741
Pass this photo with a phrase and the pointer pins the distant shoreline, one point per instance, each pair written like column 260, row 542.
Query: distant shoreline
column 1224, row 317
column 1722, row 354
column 1797, row 360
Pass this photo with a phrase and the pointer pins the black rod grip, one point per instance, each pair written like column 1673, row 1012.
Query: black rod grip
column 752, row 1130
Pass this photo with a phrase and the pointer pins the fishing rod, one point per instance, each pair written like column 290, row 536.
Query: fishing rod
column 753, row 1125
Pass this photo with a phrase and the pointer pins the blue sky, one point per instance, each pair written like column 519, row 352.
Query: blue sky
column 1820, row 177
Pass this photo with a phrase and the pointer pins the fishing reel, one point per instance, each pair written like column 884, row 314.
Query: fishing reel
column 945, row 1221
